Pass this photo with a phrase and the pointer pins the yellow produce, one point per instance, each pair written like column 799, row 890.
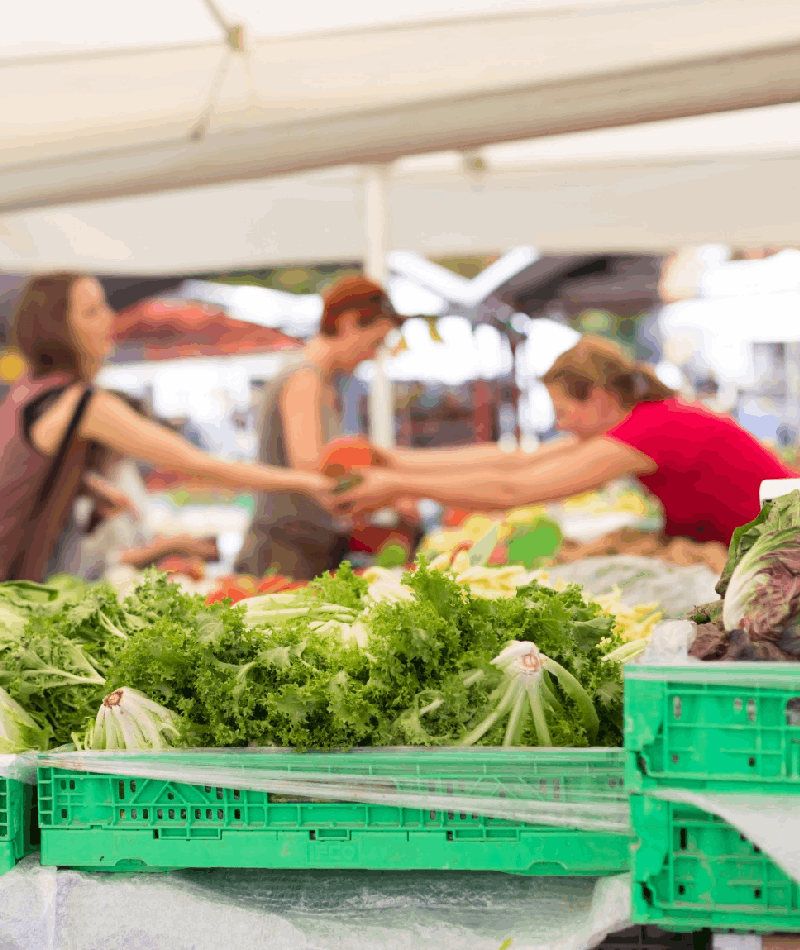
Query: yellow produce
column 445, row 540
column 524, row 516
column 587, row 500
column 493, row 582
column 631, row 502
column 441, row 562
column 627, row 502
column 633, row 623
column 476, row 527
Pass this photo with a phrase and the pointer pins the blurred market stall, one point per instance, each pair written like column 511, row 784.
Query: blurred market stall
column 169, row 330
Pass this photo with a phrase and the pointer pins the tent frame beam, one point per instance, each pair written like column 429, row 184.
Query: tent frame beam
column 760, row 77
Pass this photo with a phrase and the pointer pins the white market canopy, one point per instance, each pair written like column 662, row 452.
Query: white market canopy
column 113, row 100
column 728, row 178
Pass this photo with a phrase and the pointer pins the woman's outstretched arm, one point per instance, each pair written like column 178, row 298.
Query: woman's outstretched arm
column 587, row 466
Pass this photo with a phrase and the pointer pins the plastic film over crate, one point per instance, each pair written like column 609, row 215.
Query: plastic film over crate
column 570, row 788
column 21, row 768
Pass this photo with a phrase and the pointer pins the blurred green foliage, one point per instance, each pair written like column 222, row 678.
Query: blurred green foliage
column 312, row 279
column 621, row 330
column 302, row 279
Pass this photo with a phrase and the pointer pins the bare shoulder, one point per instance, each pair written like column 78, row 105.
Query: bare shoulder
column 49, row 429
column 302, row 385
column 106, row 404
column 303, row 378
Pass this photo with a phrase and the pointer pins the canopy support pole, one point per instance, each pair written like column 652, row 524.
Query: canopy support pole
column 377, row 220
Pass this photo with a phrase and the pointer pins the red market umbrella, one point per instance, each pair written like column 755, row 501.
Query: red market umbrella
column 175, row 329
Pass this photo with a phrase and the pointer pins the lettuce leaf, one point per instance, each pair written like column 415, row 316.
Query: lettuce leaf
column 776, row 515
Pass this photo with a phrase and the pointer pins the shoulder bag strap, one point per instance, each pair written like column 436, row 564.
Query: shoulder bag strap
column 58, row 460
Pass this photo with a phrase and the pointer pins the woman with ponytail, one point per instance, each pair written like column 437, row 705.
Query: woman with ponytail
column 621, row 421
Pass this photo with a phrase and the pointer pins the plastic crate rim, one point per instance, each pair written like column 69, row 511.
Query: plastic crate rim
column 771, row 675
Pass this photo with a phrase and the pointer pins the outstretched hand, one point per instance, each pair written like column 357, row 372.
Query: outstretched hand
column 312, row 483
column 381, row 458
column 378, row 488
column 110, row 500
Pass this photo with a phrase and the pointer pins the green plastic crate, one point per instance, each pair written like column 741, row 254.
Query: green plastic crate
column 19, row 833
column 691, row 870
column 717, row 726
column 119, row 822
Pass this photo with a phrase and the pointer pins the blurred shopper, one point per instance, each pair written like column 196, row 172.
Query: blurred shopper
column 299, row 414
column 55, row 413
column 621, row 422
column 103, row 539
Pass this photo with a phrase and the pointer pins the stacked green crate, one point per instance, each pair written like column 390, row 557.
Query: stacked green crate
column 124, row 821
column 18, row 826
column 716, row 728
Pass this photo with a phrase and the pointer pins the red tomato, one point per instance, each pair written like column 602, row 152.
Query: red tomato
column 191, row 567
column 274, row 584
column 342, row 455
column 228, row 589
column 454, row 518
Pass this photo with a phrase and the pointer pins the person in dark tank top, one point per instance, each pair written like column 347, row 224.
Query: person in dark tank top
column 299, row 415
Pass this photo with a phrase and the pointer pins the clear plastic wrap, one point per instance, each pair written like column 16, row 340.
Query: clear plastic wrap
column 642, row 580
column 20, row 767
column 669, row 644
column 769, row 822
column 571, row 788
column 43, row 908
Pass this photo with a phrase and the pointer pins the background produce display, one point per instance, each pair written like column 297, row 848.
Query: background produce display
column 537, row 535
column 621, row 498
column 630, row 541
column 524, row 536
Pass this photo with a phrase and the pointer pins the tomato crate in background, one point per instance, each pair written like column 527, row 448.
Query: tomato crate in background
column 732, row 727
column 19, row 832
column 122, row 821
column 691, row 871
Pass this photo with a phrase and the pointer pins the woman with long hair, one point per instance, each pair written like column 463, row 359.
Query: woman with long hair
column 54, row 415
column 620, row 421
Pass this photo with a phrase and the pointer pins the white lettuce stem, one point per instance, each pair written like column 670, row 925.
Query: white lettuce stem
column 578, row 694
column 486, row 725
column 537, row 709
column 516, row 720
column 549, row 696
column 626, row 652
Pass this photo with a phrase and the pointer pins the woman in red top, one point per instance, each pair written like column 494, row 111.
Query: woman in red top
column 622, row 422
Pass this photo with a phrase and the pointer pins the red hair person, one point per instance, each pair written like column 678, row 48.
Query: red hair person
column 621, row 422
column 54, row 413
column 299, row 415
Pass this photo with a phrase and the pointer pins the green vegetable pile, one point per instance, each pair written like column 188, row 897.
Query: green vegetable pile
column 324, row 667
